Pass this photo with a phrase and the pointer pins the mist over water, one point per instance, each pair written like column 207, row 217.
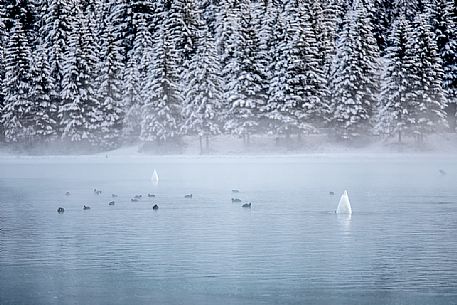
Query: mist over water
column 398, row 246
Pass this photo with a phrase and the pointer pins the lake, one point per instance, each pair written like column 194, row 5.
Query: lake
column 398, row 247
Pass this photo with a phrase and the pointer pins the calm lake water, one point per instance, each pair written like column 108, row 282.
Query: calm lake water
column 399, row 246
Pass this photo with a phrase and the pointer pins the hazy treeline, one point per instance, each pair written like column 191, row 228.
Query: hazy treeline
column 102, row 72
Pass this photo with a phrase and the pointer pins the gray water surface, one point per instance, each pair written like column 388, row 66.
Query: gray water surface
column 399, row 246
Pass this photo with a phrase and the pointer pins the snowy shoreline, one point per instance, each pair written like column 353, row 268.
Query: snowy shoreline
column 231, row 147
column 251, row 158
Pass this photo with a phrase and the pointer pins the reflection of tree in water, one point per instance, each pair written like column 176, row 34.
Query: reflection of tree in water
column 384, row 271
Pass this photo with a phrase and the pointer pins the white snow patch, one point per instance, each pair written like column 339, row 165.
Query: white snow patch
column 155, row 178
column 344, row 207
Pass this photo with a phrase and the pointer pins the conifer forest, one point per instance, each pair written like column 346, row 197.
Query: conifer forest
column 102, row 73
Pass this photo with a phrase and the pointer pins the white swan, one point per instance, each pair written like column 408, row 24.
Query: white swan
column 155, row 178
column 344, row 207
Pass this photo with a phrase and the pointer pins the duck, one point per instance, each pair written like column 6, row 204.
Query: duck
column 97, row 192
column 442, row 172
column 138, row 196
column 188, row 196
column 67, row 194
column 155, row 207
column 113, row 195
column 246, row 205
column 111, row 203
column 60, row 210
column 236, row 200
column 86, row 207
column 134, row 200
column 235, row 191
column 151, row 195
column 331, row 193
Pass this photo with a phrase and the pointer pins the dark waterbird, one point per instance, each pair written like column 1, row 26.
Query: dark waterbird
column 331, row 193
column 67, row 194
column 60, row 210
column 188, row 196
column 155, row 207
column 138, row 196
column 235, row 191
column 236, row 200
column 442, row 172
column 86, row 207
column 151, row 195
column 246, row 205
column 97, row 192
column 134, row 200
column 111, row 203
column 114, row 195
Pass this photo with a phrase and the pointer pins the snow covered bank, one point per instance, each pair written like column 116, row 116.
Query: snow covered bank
column 269, row 146
column 311, row 144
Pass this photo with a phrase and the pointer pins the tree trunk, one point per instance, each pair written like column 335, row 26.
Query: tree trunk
column 451, row 111
column 207, row 143
column 248, row 139
column 420, row 138
column 288, row 141
column 399, row 136
column 201, row 145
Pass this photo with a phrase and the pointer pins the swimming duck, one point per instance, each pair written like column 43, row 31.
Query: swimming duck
column 67, row 194
column 60, row 210
column 155, row 207
column 236, row 200
column 86, row 207
column 134, row 200
column 246, row 205
column 188, row 196
column 138, row 196
column 235, row 191
column 331, row 193
column 114, row 195
column 151, row 195
column 111, row 203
